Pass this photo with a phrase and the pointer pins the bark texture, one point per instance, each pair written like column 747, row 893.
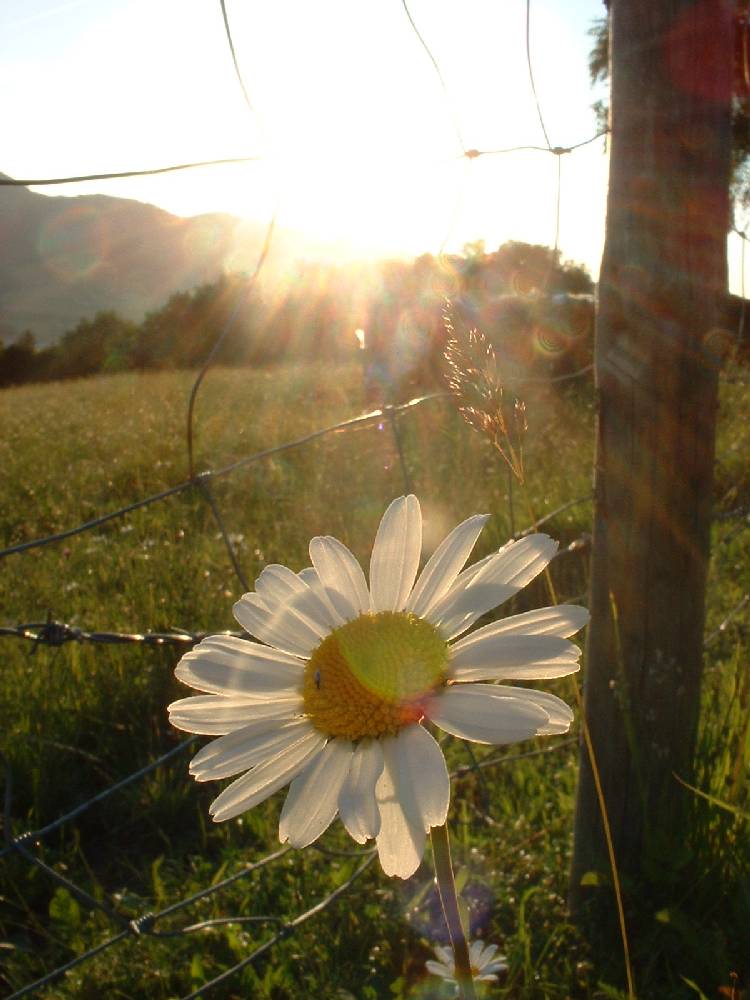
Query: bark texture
column 662, row 279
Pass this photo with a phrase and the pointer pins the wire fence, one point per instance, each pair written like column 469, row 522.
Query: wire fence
column 144, row 925
column 53, row 633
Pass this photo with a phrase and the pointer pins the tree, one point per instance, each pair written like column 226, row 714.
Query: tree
column 17, row 361
column 531, row 268
column 662, row 279
column 103, row 343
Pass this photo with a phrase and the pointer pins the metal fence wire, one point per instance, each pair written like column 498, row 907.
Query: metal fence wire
column 145, row 925
column 50, row 632
column 54, row 634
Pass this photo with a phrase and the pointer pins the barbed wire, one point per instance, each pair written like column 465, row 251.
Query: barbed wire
column 57, row 634
column 144, row 925
column 53, row 633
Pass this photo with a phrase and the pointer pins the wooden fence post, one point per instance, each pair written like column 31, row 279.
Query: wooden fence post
column 662, row 281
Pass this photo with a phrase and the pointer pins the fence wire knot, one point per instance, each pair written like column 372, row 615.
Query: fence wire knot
column 201, row 478
column 52, row 633
column 143, row 924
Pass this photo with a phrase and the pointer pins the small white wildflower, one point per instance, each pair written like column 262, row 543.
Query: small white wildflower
column 484, row 965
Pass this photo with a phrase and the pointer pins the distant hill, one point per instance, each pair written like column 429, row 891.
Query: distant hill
column 65, row 258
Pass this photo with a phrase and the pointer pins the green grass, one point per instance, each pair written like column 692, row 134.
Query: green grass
column 79, row 718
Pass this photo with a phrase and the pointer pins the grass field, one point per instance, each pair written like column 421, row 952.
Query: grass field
column 79, row 718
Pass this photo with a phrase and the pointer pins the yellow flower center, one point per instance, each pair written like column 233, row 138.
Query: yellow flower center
column 374, row 675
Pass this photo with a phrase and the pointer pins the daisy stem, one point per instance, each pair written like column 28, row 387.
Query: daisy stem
column 441, row 852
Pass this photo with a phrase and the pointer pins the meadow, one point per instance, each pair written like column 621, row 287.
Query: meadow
column 78, row 718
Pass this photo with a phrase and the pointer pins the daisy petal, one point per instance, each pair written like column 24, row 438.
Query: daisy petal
column 266, row 778
column 226, row 665
column 400, row 842
column 438, row 969
column 445, row 564
column 358, row 807
column 279, row 587
column 562, row 620
column 559, row 712
column 486, row 953
column 245, row 747
column 395, row 555
column 517, row 563
column 215, row 715
column 500, row 577
column 475, row 950
column 420, row 774
column 275, row 585
column 282, row 628
column 312, row 802
column 484, row 655
column 311, row 578
column 341, row 576
column 484, row 713
column 445, row 955
column 459, row 609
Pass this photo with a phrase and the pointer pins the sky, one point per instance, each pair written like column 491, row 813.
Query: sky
column 359, row 141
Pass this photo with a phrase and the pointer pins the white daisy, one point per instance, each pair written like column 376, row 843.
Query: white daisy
column 484, row 965
column 333, row 697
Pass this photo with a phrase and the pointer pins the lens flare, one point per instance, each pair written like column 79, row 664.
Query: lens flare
column 75, row 243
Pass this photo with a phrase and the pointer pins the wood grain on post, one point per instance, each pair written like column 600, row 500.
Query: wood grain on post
column 662, row 279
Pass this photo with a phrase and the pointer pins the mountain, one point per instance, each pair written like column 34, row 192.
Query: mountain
column 64, row 258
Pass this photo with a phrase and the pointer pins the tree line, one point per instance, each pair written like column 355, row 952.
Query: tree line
column 523, row 291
